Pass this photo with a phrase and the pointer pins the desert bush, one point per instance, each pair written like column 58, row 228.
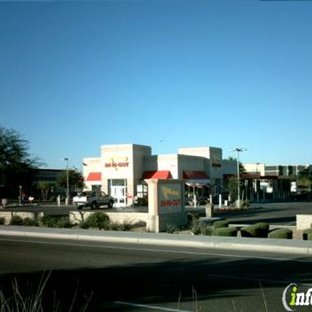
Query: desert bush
column 225, row 231
column 245, row 204
column 55, row 221
column 281, row 233
column 200, row 228
column 16, row 220
column 125, row 226
column 30, row 222
column 48, row 221
column 192, row 217
column 33, row 298
column 220, row 224
column 171, row 228
column 97, row 220
column 260, row 229
column 63, row 222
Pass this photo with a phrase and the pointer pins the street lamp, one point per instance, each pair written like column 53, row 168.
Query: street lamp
column 256, row 186
column 238, row 150
column 67, row 182
column 20, row 196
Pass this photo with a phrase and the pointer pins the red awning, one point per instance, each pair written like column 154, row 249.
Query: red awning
column 195, row 175
column 94, row 176
column 196, row 178
column 160, row 174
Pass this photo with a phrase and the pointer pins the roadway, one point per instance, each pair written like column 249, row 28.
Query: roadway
column 128, row 277
column 148, row 277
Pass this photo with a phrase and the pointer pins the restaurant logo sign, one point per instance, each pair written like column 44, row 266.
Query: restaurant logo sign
column 117, row 162
column 170, row 198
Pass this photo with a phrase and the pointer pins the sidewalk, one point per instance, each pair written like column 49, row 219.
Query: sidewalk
column 291, row 247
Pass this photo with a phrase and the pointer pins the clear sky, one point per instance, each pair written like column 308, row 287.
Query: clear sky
column 75, row 75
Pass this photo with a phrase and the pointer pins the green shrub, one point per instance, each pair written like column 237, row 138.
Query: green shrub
column 16, row 220
column 245, row 204
column 192, row 217
column 55, row 221
column 306, row 233
column 263, row 229
column 2, row 221
column 48, row 221
column 63, row 222
column 171, row 228
column 97, row 220
column 30, row 222
column 196, row 228
column 281, row 233
column 220, row 224
column 260, row 229
column 225, row 231
column 114, row 226
column 309, row 237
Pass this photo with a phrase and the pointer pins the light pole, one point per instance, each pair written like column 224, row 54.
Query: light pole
column 20, row 196
column 238, row 150
column 67, row 181
column 257, row 193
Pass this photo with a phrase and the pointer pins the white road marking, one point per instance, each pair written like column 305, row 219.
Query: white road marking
column 149, row 307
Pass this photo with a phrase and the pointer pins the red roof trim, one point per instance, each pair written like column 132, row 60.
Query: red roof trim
column 94, row 176
column 160, row 174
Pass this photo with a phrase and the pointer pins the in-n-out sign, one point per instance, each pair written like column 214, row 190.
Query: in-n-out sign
column 170, row 203
column 115, row 165
column 170, row 197
column 117, row 162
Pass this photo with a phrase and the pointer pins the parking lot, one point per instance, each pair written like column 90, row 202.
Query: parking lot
column 283, row 213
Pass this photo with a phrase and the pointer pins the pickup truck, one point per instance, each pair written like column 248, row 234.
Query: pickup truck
column 93, row 200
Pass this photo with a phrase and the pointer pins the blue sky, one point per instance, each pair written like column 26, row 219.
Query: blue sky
column 75, row 75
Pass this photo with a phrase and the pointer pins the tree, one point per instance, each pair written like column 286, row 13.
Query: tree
column 230, row 183
column 16, row 164
column 305, row 179
column 45, row 188
column 242, row 169
column 75, row 179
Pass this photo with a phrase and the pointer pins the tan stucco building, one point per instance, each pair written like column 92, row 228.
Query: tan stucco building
column 121, row 170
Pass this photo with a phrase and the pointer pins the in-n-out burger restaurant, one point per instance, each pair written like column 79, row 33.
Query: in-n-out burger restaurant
column 122, row 170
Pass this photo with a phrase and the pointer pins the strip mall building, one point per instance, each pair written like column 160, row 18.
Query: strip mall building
column 121, row 170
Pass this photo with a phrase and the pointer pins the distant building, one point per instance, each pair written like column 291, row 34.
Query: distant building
column 273, row 181
column 48, row 176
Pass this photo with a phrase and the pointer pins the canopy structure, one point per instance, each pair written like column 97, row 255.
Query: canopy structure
column 196, row 178
column 159, row 174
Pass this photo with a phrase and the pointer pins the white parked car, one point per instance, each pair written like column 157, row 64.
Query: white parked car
column 93, row 200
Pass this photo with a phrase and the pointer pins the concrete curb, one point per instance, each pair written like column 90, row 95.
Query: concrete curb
column 292, row 247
